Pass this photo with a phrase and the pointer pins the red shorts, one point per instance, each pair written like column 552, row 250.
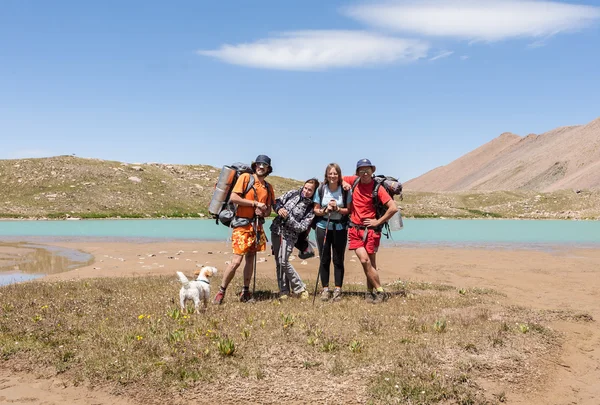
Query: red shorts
column 371, row 243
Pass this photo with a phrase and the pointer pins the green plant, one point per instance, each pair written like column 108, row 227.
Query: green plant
column 288, row 320
column 176, row 336
column 356, row 346
column 329, row 345
column 246, row 334
column 226, row 346
column 440, row 326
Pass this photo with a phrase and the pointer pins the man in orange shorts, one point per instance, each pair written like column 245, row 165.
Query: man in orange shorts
column 252, row 208
column 364, row 232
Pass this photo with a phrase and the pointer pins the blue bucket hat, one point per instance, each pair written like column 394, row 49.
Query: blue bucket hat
column 262, row 159
column 364, row 163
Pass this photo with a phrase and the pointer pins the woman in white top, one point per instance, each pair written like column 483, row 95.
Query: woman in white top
column 331, row 209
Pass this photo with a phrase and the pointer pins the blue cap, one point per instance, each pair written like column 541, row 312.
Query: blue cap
column 363, row 163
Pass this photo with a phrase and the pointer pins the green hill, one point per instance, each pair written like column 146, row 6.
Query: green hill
column 67, row 186
column 63, row 186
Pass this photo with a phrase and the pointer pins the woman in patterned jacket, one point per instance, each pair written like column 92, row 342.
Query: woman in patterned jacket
column 294, row 216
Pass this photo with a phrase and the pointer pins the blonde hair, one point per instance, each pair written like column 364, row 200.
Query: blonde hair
column 337, row 169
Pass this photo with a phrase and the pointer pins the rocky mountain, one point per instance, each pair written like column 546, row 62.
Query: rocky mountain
column 564, row 158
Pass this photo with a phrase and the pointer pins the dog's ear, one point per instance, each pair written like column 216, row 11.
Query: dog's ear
column 196, row 273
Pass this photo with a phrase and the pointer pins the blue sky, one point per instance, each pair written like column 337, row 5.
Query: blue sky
column 410, row 85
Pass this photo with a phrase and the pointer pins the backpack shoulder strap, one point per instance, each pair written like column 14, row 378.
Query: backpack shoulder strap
column 250, row 184
column 321, row 192
column 356, row 180
column 345, row 194
column 375, row 192
column 268, row 187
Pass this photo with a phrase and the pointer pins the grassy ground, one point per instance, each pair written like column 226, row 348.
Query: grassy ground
column 427, row 344
column 64, row 186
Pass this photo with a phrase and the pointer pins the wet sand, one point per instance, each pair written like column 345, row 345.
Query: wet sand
column 551, row 279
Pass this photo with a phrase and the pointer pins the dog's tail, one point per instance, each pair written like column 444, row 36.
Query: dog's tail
column 184, row 280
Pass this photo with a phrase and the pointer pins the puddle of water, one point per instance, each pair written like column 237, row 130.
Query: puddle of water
column 22, row 261
column 13, row 278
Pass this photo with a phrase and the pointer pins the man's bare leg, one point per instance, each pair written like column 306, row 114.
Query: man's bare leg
column 370, row 271
column 229, row 272
column 249, row 268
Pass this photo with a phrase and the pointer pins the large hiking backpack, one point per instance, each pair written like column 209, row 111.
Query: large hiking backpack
column 393, row 187
column 220, row 207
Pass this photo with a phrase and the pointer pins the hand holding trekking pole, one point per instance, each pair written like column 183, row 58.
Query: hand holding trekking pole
column 321, row 257
column 256, row 236
column 261, row 209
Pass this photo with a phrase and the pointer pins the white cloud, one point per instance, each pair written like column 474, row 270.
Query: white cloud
column 464, row 57
column 442, row 54
column 321, row 50
column 481, row 20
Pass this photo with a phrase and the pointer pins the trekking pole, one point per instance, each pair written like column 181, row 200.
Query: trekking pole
column 321, row 257
column 255, row 224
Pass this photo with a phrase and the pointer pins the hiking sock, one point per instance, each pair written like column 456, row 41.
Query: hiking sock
column 245, row 290
column 222, row 289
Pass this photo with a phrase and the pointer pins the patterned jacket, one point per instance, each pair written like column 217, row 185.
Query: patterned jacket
column 300, row 216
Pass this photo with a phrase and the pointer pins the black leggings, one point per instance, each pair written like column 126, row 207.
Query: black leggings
column 336, row 241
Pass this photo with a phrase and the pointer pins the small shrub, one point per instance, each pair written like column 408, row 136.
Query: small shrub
column 329, row 345
column 440, row 326
column 226, row 346
column 355, row 346
column 288, row 321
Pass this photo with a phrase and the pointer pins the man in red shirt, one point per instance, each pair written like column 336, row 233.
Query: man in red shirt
column 364, row 232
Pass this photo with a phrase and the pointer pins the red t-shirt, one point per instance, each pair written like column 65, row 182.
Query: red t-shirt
column 362, row 200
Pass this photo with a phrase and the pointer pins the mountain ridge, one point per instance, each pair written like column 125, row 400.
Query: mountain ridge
column 566, row 157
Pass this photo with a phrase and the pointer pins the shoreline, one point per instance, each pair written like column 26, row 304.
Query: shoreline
column 441, row 217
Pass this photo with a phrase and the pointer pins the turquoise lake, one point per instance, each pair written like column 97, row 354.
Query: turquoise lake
column 416, row 231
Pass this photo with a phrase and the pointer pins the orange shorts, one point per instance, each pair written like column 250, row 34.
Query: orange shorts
column 243, row 240
column 371, row 243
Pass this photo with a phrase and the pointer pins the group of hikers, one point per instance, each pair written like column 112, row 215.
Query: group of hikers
column 342, row 211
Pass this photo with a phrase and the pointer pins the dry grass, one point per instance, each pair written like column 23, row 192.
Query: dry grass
column 563, row 204
column 427, row 344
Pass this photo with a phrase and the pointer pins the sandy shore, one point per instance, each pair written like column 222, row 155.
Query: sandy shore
column 560, row 279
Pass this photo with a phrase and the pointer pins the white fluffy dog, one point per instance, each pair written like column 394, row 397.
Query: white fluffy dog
column 198, row 289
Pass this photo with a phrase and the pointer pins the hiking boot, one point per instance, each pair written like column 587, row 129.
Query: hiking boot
column 369, row 297
column 246, row 296
column 380, row 297
column 284, row 296
column 337, row 295
column 325, row 295
column 219, row 298
column 303, row 295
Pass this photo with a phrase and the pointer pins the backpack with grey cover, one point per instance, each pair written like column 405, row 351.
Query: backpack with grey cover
column 393, row 187
column 227, row 214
